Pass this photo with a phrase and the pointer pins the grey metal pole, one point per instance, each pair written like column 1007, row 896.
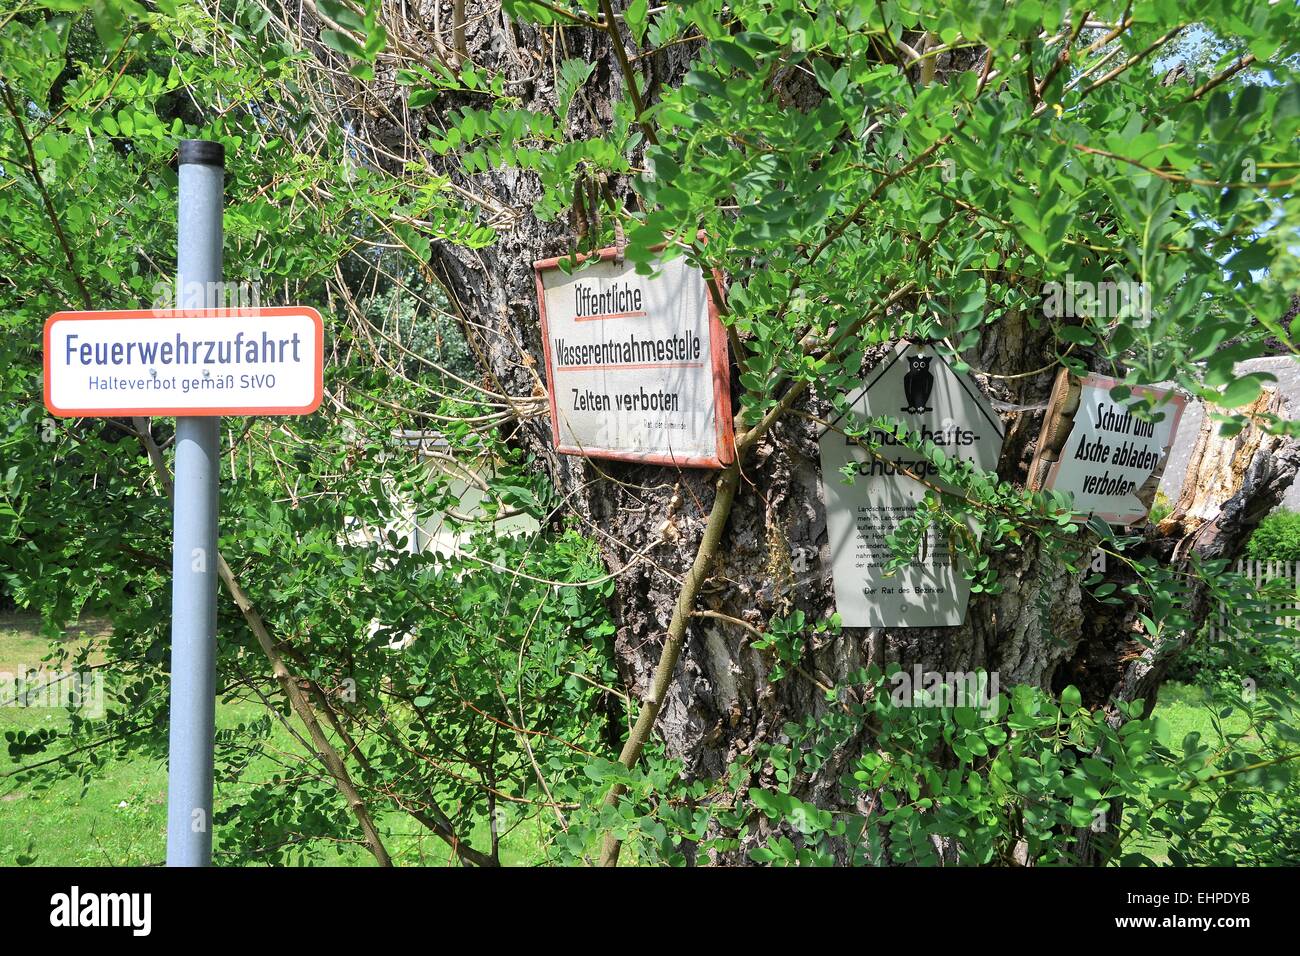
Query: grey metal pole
column 194, row 530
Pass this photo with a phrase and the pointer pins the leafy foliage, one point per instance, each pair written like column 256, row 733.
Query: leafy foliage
column 863, row 173
column 1276, row 538
column 462, row 682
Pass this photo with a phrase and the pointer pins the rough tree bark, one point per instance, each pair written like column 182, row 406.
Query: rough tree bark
column 1232, row 483
column 1041, row 630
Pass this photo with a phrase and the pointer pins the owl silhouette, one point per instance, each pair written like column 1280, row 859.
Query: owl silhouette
column 917, row 385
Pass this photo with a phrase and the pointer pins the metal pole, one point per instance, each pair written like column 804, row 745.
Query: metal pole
column 194, row 531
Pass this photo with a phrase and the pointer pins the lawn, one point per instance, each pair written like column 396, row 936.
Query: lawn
column 1186, row 708
column 120, row 817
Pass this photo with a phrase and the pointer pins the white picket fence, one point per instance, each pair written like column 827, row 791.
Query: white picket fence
column 1260, row 571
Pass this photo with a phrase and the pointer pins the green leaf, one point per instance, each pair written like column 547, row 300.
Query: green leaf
column 1244, row 390
column 342, row 43
column 735, row 56
column 569, row 79
column 376, row 40
column 1076, row 335
column 636, row 16
column 110, row 24
column 421, row 97
column 342, row 14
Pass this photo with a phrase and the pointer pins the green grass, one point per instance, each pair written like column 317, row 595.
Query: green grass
column 1186, row 708
column 119, row 818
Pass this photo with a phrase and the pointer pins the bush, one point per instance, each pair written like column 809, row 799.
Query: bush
column 1250, row 635
column 1277, row 538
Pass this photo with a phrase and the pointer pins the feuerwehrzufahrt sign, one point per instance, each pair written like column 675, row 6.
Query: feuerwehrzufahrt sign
column 636, row 366
column 916, row 387
column 1109, row 460
column 184, row 362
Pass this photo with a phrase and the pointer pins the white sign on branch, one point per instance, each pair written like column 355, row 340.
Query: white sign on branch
column 1110, row 454
column 918, row 388
column 184, row 362
column 636, row 365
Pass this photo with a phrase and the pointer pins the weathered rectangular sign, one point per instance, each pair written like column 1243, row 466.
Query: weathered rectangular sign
column 184, row 362
column 916, row 387
column 1109, row 460
column 636, row 366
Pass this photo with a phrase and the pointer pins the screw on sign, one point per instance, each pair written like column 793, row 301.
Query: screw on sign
column 197, row 363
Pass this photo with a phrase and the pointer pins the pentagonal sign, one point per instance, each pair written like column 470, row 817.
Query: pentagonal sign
column 916, row 386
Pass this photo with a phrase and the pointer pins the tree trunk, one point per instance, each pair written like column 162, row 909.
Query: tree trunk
column 1233, row 483
column 1041, row 630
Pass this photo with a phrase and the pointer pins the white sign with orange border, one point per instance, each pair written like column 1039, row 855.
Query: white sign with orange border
column 184, row 362
column 636, row 365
